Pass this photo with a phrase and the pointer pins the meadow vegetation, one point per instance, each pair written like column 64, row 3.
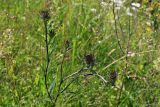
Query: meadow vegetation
column 79, row 53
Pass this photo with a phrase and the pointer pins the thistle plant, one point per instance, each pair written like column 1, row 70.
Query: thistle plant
column 89, row 59
column 88, row 66
column 45, row 16
column 102, row 53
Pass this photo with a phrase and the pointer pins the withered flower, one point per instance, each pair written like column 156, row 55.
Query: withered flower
column 113, row 76
column 51, row 33
column 150, row 1
column 89, row 59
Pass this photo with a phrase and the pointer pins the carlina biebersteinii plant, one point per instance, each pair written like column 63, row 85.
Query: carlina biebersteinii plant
column 88, row 58
column 45, row 16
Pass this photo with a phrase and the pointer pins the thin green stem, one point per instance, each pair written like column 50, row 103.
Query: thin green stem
column 126, row 66
column 116, row 29
column 47, row 60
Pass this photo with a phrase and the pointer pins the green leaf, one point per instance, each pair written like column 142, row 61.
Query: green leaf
column 52, row 86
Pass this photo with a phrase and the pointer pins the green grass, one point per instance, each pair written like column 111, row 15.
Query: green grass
column 23, row 53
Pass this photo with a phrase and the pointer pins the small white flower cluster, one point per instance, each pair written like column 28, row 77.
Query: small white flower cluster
column 131, row 54
column 118, row 3
column 137, row 5
column 134, row 6
column 103, row 4
column 8, row 32
column 93, row 10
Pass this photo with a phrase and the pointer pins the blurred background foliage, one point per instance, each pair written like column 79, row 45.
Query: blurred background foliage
column 88, row 25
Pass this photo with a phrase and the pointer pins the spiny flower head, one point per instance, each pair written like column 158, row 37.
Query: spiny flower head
column 44, row 14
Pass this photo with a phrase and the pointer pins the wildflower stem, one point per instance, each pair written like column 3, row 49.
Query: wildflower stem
column 47, row 60
column 61, row 77
column 116, row 30
column 126, row 65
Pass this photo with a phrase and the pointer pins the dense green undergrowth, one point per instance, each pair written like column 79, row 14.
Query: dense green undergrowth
column 121, row 40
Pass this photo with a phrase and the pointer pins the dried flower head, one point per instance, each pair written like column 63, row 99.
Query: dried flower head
column 113, row 75
column 51, row 33
column 89, row 59
column 149, row 1
column 44, row 14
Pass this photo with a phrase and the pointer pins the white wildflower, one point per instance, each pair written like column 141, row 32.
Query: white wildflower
column 137, row 5
column 128, row 12
column 103, row 4
column 148, row 23
column 118, row 3
column 98, row 16
column 134, row 8
column 99, row 42
column 117, row 8
column 93, row 10
column 131, row 54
